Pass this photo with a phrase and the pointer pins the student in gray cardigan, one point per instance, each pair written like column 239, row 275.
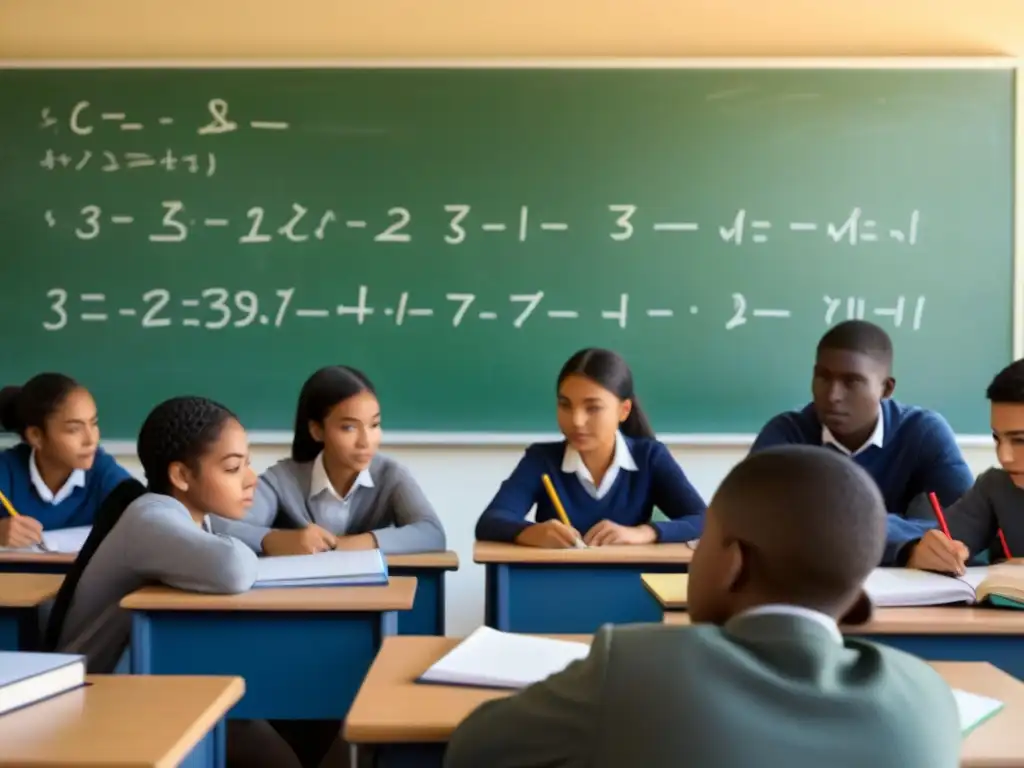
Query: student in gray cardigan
column 195, row 456
column 336, row 491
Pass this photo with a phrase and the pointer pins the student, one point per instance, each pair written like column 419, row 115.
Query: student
column 909, row 451
column 763, row 676
column 336, row 491
column 609, row 473
column 196, row 459
column 57, row 476
column 996, row 502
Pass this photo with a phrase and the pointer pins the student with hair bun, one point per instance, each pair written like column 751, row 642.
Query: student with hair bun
column 58, row 475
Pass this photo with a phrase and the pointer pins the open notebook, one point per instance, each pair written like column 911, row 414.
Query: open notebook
column 974, row 709
column 1000, row 585
column 492, row 659
column 65, row 540
column 341, row 568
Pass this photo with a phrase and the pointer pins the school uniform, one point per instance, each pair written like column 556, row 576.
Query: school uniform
column 155, row 540
column 643, row 475
column 992, row 504
column 776, row 686
column 74, row 504
column 911, row 453
column 384, row 500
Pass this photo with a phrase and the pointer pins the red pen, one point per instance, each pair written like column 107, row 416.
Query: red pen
column 1006, row 548
column 938, row 514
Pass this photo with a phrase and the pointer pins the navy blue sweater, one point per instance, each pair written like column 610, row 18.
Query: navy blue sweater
column 657, row 482
column 918, row 455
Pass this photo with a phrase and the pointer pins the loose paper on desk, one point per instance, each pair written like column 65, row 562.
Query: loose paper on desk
column 974, row 709
column 489, row 658
column 64, row 540
column 340, row 568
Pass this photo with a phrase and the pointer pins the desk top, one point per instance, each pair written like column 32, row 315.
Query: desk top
column 962, row 620
column 27, row 590
column 443, row 561
column 669, row 589
column 398, row 595
column 392, row 708
column 652, row 554
column 27, row 556
column 119, row 720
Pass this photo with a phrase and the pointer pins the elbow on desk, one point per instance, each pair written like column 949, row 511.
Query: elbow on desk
column 237, row 573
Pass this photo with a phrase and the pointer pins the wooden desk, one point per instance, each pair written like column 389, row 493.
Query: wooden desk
column 119, row 720
column 22, row 595
column 408, row 724
column 302, row 652
column 36, row 562
column 948, row 633
column 669, row 589
column 572, row 590
column 427, row 616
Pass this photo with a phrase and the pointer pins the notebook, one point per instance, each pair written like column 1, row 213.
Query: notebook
column 974, row 709
column 339, row 568
column 64, row 540
column 27, row 678
column 489, row 658
column 999, row 585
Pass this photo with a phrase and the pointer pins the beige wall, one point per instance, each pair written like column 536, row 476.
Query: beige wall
column 461, row 480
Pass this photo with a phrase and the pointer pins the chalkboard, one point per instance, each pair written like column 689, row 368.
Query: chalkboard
column 459, row 232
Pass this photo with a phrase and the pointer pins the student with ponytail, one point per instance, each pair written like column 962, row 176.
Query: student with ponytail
column 609, row 473
column 57, row 475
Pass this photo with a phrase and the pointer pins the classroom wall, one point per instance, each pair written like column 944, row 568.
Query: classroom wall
column 460, row 481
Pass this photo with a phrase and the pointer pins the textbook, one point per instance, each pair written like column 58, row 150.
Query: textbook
column 63, row 540
column 489, row 658
column 974, row 709
column 999, row 585
column 27, row 678
column 338, row 568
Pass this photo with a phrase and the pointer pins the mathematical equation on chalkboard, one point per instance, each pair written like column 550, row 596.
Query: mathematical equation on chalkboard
column 217, row 308
column 176, row 223
column 83, row 119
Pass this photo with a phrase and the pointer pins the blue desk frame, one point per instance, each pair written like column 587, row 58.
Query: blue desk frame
column 575, row 594
column 16, row 562
column 427, row 616
column 297, row 664
column 20, row 629
column 211, row 751
column 1004, row 651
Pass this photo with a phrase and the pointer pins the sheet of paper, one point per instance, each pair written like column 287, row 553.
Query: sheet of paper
column 974, row 709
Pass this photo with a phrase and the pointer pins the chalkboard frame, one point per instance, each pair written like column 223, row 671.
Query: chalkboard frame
column 498, row 439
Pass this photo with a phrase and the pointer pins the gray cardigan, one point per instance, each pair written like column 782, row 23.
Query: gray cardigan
column 395, row 509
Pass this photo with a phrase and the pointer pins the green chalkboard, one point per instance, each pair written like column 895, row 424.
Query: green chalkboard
column 217, row 231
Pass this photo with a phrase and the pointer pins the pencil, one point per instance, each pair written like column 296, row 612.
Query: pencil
column 1006, row 547
column 8, row 506
column 938, row 514
column 557, row 504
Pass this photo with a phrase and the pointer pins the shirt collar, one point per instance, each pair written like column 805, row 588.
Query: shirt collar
column 877, row 438
column 76, row 480
column 572, row 462
column 320, row 483
column 781, row 609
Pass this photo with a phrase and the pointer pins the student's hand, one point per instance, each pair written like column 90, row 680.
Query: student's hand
column 304, row 541
column 356, row 541
column 551, row 534
column 937, row 552
column 20, row 531
column 606, row 532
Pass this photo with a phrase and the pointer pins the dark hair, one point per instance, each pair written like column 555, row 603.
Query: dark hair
column 609, row 370
column 859, row 336
column 831, row 500
column 321, row 392
column 180, row 429
column 1008, row 384
column 33, row 403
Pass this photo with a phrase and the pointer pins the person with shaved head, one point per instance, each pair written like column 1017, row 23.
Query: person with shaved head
column 763, row 675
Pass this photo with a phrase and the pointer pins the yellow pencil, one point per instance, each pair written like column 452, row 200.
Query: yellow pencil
column 557, row 504
column 8, row 506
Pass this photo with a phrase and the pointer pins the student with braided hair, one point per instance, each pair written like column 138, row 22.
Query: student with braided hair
column 196, row 458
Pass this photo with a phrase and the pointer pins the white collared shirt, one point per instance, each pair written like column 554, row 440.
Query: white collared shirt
column 76, row 480
column 572, row 464
column 781, row 609
column 877, row 438
column 329, row 509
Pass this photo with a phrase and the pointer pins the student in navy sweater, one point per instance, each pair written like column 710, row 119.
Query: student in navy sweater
column 609, row 472
column 908, row 451
column 57, row 476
